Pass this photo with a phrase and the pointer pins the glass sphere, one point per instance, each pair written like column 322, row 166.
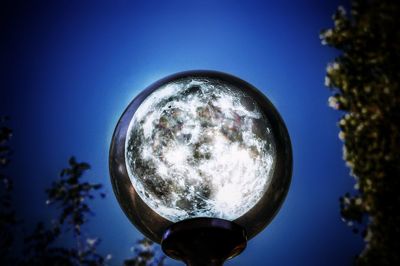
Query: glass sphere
column 200, row 144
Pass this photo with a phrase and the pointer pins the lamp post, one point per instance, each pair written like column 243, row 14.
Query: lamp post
column 200, row 162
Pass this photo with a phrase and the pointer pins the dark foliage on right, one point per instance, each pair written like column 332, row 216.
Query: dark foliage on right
column 365, row 79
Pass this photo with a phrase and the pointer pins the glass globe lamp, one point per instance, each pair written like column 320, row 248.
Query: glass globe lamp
column 200, row 161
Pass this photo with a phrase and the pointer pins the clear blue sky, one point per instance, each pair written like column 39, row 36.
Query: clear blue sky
column 69, row 68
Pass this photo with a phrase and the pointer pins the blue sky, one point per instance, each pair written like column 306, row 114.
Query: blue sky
column 69, row 69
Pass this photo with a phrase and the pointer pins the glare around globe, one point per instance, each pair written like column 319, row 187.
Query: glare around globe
column 200, row 147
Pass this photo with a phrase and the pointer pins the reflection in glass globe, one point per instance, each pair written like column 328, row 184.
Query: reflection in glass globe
column 200, row 144
column 200, row 147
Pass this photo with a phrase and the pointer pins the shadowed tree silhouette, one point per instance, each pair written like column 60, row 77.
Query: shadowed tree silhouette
column 8, row 219
column 70, row 194
column 365, row 79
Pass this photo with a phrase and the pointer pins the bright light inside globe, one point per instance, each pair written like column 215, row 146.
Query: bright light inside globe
column 200, row 147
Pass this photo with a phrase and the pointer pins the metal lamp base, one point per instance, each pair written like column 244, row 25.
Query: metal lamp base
column 204, row 241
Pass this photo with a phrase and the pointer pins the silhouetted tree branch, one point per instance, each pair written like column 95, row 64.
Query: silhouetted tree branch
column 70, row 194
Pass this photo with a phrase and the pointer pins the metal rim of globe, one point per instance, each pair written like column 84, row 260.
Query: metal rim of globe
column 151, row 224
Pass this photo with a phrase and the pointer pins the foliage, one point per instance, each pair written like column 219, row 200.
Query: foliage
column 7, row 214
column 145, row 255
column 365, row 79
column 70, row 194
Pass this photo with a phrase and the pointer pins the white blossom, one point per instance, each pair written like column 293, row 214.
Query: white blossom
column 327, row 81
column 333, row 102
